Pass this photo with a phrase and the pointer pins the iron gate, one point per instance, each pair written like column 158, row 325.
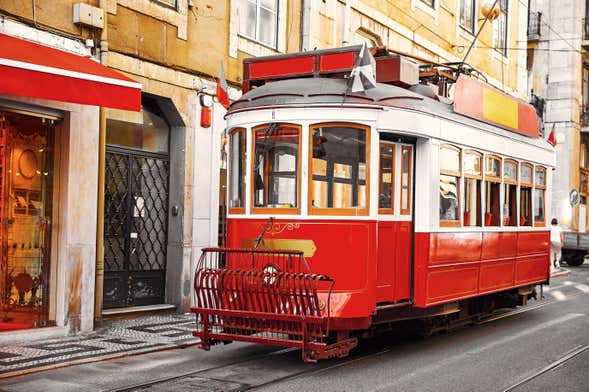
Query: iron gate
column 135, row 228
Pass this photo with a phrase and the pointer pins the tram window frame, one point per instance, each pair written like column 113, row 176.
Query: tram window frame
column 456, row 174
column 492, row 184
column 392, row 157
column 406, row 211
column 339, row 211
column 541, row 187
column 242, row 174
column 525, row 202
column 510, row 201
column 477, row 177
column 276, row 210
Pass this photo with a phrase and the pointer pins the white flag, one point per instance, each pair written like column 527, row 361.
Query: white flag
column 363, row 73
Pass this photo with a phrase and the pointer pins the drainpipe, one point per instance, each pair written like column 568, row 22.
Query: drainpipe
column 346, row 28
column 305, row 25
column 99, row 277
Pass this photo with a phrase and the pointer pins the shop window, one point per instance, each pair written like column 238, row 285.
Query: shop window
column 276, row 171
column 258, row 21
column 237, row 146
column 449, row 186
column 339, row 169
column 473, row 177
column 406, row 178
column 539, row 196
column 525, row 200
column 509, row 193
column 386, row 175
column 492, row 190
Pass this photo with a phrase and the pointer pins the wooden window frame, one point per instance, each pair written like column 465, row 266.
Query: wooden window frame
column 496, row 180
column 527, row 184
column 493, row 178
column 236, row 210
column 387, row 211
column 406, row 211
column 475, row 177
column 452, row 173
column 461, row 4
column 333, row 211
column 542, row 187
column 276, row 210
column 508, row 180
column 481, row 156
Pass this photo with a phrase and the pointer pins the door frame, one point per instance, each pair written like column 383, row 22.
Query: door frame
column 130, row 154
column 399, row 141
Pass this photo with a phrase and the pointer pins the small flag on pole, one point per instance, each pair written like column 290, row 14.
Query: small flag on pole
column 222, row 88
column 362, row 75
column 552, row 137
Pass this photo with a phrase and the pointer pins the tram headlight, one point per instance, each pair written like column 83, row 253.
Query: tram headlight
column 270, row 274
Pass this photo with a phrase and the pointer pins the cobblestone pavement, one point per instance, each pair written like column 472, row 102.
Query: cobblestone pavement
column 119, row 338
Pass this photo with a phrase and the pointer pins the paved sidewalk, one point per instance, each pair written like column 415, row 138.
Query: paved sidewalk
column 559, row 272
column 119, row 338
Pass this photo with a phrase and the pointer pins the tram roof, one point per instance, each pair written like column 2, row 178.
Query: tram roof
column 304, row 92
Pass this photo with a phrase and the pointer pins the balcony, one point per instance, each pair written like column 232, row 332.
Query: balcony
column 534, row 26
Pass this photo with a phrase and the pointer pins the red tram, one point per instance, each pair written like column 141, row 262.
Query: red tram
column 352, row 210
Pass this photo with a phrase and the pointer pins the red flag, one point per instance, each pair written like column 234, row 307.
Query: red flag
column 222, row 88
column 551, row 138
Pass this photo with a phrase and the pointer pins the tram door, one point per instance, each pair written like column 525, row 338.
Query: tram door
column 395, row 224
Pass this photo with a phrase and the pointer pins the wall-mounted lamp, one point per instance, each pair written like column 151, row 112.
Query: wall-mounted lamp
column 206, row 101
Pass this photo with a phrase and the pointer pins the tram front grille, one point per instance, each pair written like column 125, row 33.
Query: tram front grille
column 266, row 296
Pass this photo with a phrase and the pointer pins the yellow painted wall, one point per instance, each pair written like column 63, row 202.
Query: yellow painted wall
column 442, row 33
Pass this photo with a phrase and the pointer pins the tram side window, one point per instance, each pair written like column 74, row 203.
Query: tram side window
column 492, row 190
column 539, row 193
column 525, row 203
column 276, row 168
column 449, row 186
column 237, row 146
column 339, row 169
column 510, row 193
column 473, row 177
column 386, row 175
column 406, row 169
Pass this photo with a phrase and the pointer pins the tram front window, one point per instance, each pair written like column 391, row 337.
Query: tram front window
column 276, row 167
column 339, row 168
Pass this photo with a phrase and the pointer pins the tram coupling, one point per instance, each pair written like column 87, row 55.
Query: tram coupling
column 264, row 296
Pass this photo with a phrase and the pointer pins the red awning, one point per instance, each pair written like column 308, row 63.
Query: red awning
column 28, row 69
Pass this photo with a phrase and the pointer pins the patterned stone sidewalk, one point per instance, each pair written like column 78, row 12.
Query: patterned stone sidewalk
column 119, row 338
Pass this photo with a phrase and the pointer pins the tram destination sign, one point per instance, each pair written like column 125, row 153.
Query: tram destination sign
column 477, row 100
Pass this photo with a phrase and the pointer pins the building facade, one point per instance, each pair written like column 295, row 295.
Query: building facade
column 433, row 30
column 558, row 74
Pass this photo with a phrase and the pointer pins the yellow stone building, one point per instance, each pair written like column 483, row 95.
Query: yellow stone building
column 433, row 30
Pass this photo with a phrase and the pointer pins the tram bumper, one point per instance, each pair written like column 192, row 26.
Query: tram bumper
column 263, row 296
